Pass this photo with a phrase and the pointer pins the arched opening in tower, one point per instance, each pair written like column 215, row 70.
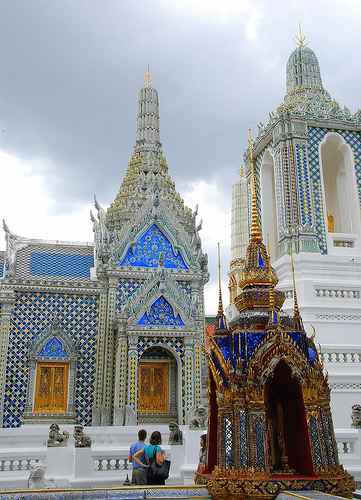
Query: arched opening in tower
column 288, row 442
column 269, row 204
column 339, row 186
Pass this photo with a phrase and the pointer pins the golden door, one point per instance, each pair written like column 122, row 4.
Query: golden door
column 51, row 388
column 153, row 387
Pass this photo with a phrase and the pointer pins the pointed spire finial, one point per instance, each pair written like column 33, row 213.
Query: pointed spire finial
column 300, row 40
column 296, row 311
column 271, row 290
column 148, row 77
column 220, row 304
column 240, row 171
column 256, row 235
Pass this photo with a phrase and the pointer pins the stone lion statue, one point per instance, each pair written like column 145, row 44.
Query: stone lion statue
column 175, row 436
column 356, row 416
column 81, row 440
column 37, row 479
column 200, row 419
column 57, row 439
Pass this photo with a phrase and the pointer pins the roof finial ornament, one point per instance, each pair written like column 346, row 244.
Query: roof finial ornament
column 220, row 305
column 240, row 171
column 256, row 235
column 148, row 77
column 300, row 41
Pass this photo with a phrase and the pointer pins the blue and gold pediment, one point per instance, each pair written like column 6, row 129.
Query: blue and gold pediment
column 54, row 348
column 147, row 249
column 161, row 313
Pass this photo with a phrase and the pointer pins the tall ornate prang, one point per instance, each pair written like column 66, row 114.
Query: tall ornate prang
column 270, row 424
column 307, row 176
column 148, row 250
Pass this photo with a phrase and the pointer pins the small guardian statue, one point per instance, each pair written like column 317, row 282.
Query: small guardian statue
column 199, row 421
column 55, row 438
column 81, row 440
column 37, row 479
column 356, row 416
column 175, row 436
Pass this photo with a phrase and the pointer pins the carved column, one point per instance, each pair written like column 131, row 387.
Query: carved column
column 133, row 372
column 173, row 387
column 188, row 376
column 120, row 384
column 7, row 300
column 73, row 361
column 98, row 391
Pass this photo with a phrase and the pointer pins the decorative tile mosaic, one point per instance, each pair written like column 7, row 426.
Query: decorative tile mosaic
column 78, row 317
column 243, row 438
column 147, row 250
column 185, row 285
column 161, row 313
column 315, row 442
column 54, row 348
column 1, row 268
column 228, row 443
column 69, row 261
column 315, row 136
column 126, row 288
column 259, row 432
column 304, row 188
column 55, row 264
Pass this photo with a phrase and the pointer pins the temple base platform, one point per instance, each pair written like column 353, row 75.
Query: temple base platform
column 237, row 485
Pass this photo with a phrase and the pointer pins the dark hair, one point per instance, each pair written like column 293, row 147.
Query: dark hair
column 142, row 434
column 204, row 437
column 155, row 438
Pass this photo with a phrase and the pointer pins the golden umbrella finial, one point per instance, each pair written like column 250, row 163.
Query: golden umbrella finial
column 300, row 40
column 148, row 77
column 256, row 235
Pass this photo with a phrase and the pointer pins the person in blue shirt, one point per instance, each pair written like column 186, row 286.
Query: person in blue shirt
column 151, row 450
column 139, row 467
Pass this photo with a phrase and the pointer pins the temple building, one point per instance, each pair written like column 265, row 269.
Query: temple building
column 308, row 182
column 110, row 332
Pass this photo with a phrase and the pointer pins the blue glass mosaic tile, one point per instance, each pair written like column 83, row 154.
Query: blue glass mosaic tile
column 54, row 348
column 161, row 313
column 33, row 312
column 147, row 250
column 1, row 268
column 54, row 264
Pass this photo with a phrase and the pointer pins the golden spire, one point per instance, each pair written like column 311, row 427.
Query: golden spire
column 147, row 77
column 296, row 311
column 256, row 235
column 240, row 171
column 271, row 290
column 220, row 305
column 300, row 41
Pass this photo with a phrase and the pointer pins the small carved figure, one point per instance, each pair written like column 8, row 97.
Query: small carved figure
column 81, row 440
column 37, row 479
column 200, row 418
column 57, row 439
column 356, row 416
column 175, row 436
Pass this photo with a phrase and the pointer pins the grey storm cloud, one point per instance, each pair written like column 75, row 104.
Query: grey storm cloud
column 70, row 72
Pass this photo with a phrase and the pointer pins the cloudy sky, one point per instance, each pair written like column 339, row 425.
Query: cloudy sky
column 70, row 72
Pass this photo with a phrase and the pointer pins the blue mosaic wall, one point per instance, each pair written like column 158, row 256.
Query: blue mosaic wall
column 54, row 264
column 161, row 313
column 1, row 268
column 78, row 317
column 147, row 250
column 126, row 288
column 315, row 136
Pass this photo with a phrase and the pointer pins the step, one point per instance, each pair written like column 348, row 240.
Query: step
column 124, row 493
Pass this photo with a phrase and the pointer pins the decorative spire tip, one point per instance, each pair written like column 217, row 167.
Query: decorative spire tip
column 148, row 77
column 300, row 40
